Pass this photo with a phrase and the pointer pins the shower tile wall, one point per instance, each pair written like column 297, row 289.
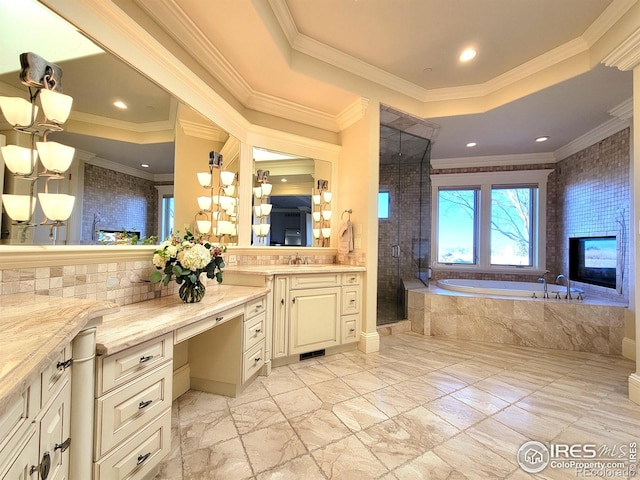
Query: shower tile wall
column 121, row 201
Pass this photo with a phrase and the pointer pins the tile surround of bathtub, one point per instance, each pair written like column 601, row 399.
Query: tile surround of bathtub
column 533, row 323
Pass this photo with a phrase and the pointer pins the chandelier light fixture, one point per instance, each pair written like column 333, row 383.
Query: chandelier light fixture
column 261, row 206
column 43, row 80
column 221, row 208
column 322, row 214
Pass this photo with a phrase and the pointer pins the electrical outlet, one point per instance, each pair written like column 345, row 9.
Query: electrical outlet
column 231, row 259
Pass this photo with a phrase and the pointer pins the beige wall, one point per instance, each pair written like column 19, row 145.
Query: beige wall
column 358, row 190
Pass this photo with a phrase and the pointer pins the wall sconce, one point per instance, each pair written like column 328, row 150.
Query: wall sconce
column 322, row 213
column 261, row 207
column 220, row 208
column 43, row 79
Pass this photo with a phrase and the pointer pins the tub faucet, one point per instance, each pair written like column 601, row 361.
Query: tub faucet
column 543, row 281
column 567, row 282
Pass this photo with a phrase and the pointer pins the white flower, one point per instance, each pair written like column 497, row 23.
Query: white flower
column 159, row 260
column 196, row 257
column 172, row 250
column 187, row 243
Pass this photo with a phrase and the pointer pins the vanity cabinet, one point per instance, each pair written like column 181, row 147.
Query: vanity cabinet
column 35, row 428
column 133, row 410
column 315, row 311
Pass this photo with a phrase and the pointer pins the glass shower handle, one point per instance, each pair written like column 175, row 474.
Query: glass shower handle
column 395, row 251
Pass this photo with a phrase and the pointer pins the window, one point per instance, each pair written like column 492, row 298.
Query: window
column 457, row 222
column 167, row 216
column 384, row 201
column 489, row 221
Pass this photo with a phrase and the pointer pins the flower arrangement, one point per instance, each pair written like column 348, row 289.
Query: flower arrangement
column 186, row 258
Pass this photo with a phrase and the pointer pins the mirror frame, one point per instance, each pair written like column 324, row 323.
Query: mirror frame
column 110, row 27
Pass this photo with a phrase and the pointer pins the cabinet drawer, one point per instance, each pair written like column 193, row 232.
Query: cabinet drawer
column 350, row 328
column 17, row 419
column 55, row 372
column 123, row 412
column 114, row 370
column 253, row 361
column 350, row 300
column 351, row 278
column 254, row 331
column 315, row 280
column 55, row 432
column 134, row 459
column 184, row 333
column 255, row 307
column 20, row 468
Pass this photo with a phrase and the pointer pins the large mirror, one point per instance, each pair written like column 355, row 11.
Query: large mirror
column 122, row 174
column 296, row 210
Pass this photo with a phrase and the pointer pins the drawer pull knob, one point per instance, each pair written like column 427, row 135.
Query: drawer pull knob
column 353, row 300
column 146, row 358
column 294, row 300
column 219, row 319
column 351, row 330
column 143, row 458
column 258, row 330
column 64, row 445
column 257, row 359
column 64, row 365
column 282, row 301
column 259, row 306
column 144, row 404
column 43, row 468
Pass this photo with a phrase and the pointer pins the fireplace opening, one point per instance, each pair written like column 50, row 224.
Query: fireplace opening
column 593, row 260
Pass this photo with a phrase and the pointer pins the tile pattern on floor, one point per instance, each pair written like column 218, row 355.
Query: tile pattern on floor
column 422, row 407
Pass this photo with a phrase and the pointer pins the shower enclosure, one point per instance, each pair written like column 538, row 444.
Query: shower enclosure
column 404, row 220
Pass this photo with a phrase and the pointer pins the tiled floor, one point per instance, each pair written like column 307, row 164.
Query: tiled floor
column 423, row 407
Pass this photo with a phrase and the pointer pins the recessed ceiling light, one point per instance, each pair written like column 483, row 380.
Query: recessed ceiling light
column 471, row 144
column 544, row 138
column 283, row 180
column 144, row 165
column 120, row 104
column 467, row 54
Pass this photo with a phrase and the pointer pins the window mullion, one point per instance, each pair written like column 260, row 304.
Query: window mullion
column 484, row 230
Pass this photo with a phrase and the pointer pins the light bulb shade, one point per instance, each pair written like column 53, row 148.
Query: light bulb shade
column 234, row 230
column 264, row 229
column 229, row 190
column 57, row 206
column 257, row 192
column 17, row 110
column 266, row 189
column 256, row 229
column 19, row 160
column 226, row 178
column 265, row 209
column 225, row 202
column 230, row 211
column 56, row 105
column 55, row 156
column 19, row 207
column 327, row 196
column 204, row 226
column 204, row 203
column 204, row 179
column 326, row 232
column 257, row 210
column 225, row 227
column 316, row 199
column 215, row 215
column 316, row 216
column 316, row 233
column 326, row 214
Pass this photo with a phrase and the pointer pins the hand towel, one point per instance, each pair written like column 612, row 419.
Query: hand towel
column 345, row 237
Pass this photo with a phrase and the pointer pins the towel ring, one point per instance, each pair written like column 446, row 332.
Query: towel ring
column 349, row 212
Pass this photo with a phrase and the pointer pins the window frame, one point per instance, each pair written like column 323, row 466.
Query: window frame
column 485, row 181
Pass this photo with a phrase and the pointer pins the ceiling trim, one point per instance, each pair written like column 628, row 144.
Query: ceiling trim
column 592, row 137
column 624, row 110
column 202, row 130
column 353, row 113
column 625, row 56
column 148, row 127
column 606, row 20
column 117, row 167
column 280, row 141
column 493, row 161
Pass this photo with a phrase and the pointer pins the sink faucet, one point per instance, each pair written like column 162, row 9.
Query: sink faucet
column 567, row 282
column 543, row 281
column 296, row 261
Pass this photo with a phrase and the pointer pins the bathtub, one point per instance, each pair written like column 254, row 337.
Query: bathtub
column 503, row 288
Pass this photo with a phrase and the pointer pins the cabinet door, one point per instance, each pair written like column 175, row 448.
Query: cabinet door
column 21, row 468
column 54, row 434
column 315, row 319
column 280, row 317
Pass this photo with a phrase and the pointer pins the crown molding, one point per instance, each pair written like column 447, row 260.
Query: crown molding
column 117, row 167
column 592, row 137
column 624, row 110
column 285, row 19
column 625, row 56
column 293, row 144
column 205, row 131
column 493, row 161
column 606, row 20
column 353, row 113
column 148, row 127
column 163, row 177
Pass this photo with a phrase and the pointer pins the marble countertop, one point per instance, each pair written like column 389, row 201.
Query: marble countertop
column 292, row 269
column 35, row 328
column 139, row 322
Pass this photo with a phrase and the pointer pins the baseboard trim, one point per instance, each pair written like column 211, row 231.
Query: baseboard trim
column 369, row 342
column 634, row 388
column 629, row 348
column 181, row 381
